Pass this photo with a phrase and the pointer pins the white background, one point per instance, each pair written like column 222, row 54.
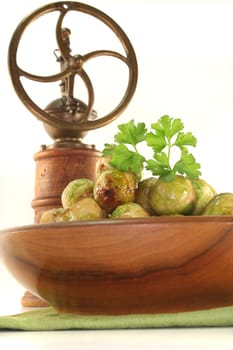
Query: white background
column 185, row 57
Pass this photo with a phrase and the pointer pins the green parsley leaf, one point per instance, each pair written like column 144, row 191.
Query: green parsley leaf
column 127, row 160
column 187, row 165
column 156, row 141
column 159, row 166
column 163, row 159
column 130, row 133
column 108, row 150
column 168, row 126
column 122, row 156
column 185, row 139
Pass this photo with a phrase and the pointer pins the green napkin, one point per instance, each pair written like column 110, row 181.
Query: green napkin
column 47, row 319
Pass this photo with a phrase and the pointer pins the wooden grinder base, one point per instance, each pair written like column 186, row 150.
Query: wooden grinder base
column 30, row 300
column 55, row 168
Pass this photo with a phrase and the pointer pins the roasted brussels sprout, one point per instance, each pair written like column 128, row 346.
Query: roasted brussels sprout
column 204, row 193
column 174, row 197
column 76, row 190
column 142, row 193
column 54, row 215
column 103, row 164
column 114, row 187
column 86, row 209
column 129, row 210
column 221, row 204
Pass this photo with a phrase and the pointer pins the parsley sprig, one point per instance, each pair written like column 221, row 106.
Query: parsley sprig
column 165, row 135
column 124, row 153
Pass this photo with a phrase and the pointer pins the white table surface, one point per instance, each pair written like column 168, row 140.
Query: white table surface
column 173, row 338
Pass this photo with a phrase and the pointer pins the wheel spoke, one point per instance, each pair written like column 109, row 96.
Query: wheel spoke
column 44, row 79
column 83, row 75
column 97, row 53
column 63, row 48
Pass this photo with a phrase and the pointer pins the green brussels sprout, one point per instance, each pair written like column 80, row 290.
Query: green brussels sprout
column 142, row 193
column 76, row 190
column 86, row 209
column 174, row 197
column 54, row 215
column 114, row 187
column 221, row 204
column 129, row 210
column 204, row 193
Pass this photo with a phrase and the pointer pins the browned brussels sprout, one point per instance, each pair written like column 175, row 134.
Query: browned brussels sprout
column 103, row 164
column 142, row 193
column 76, row 190
column 54, row 215
column 86, row 209
column 114, row 187
column 174, row 197
column 129, row 210
column 221, row 204
column 204, row 193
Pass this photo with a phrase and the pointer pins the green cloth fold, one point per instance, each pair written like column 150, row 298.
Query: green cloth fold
column 47, row 319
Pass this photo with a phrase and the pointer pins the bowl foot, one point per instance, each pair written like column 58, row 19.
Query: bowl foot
column 30, row 300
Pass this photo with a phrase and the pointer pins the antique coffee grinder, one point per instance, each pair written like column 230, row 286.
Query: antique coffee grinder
column 67, row 119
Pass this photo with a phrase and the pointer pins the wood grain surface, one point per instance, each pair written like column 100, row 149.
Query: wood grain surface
column 55, row 168
column 151, row 265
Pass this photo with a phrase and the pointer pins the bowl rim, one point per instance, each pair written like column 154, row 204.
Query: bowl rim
column 152, row 220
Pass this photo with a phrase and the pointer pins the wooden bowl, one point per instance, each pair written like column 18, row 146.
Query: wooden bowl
column 125, row 266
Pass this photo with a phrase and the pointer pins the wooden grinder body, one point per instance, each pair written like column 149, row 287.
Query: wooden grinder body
column 55, row 168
